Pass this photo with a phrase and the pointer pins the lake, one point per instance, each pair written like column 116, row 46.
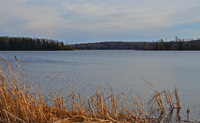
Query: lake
column 123, row 70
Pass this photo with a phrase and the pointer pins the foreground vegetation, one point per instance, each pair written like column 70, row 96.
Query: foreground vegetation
column 21, row 102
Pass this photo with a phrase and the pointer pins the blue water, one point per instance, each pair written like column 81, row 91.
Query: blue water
column 123, row 70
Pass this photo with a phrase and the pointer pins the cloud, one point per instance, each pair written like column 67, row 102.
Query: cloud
column 144, row 16
column 47, row 18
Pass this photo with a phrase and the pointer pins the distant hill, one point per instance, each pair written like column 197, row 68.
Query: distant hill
column 109, row 45
column 159, row 45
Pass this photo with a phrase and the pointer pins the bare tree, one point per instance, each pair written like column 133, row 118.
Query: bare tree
column 176, row 38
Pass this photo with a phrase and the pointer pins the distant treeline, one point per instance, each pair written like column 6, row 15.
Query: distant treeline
column 26, row 43
column 108, row 46
column 177, row 44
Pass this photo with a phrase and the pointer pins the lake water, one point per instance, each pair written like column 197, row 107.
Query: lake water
column 120, row 69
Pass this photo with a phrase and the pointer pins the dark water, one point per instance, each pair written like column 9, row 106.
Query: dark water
column 122, row 70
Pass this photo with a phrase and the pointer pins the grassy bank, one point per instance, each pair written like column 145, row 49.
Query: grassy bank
column 21, row 102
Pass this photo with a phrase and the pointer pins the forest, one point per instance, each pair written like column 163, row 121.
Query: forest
column 176, row 44
column 27, row 43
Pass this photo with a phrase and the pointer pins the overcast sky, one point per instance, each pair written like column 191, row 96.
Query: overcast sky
column 83, row 21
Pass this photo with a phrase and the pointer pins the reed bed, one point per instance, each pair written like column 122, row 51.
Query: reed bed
column 21, row 102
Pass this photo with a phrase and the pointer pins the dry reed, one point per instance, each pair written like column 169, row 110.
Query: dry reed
column 20, row 102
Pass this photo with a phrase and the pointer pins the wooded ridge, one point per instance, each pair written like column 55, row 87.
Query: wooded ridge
column 158, row 45
column 26, row 43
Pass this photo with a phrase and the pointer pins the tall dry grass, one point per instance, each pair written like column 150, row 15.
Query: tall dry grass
column 21, row 102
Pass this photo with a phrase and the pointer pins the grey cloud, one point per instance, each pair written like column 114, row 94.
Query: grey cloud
column 50, row 18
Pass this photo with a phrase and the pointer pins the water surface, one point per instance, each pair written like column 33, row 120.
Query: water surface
column 120, row 69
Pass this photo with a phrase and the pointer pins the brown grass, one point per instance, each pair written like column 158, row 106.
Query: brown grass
column 20, row 102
